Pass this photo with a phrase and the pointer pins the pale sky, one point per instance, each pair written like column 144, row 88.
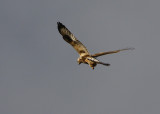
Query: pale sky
column 38, row 69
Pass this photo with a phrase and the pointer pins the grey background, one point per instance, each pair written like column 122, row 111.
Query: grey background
column 38, row 69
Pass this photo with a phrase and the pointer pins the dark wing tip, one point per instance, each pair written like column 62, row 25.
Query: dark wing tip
column 59, row 23
column 129, row 48
column 60, row 26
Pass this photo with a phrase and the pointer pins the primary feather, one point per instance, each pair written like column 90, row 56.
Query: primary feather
column 110, row 52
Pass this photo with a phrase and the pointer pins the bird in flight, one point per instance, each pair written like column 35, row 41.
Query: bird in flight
column 84, row 55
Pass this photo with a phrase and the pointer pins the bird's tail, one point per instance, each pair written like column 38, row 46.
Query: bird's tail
column 97, row 61
column 105, row 64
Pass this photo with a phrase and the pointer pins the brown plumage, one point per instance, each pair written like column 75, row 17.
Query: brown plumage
column 85, row 56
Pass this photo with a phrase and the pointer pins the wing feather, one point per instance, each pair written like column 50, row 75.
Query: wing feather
column 110, row 52
column 72, row 40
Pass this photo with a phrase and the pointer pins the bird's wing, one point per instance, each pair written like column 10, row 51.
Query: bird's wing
column 71, row 39
column 110, row 52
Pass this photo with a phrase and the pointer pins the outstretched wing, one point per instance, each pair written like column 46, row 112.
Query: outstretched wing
column 110, row 52
column 71, row 39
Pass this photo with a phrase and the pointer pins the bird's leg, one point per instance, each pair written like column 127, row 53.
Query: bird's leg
column 79, row 61
column 92, row 66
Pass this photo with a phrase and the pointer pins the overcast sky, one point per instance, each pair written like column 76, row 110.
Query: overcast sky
column 39, row 73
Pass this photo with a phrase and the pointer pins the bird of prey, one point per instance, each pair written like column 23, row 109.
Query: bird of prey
column 84, row 55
